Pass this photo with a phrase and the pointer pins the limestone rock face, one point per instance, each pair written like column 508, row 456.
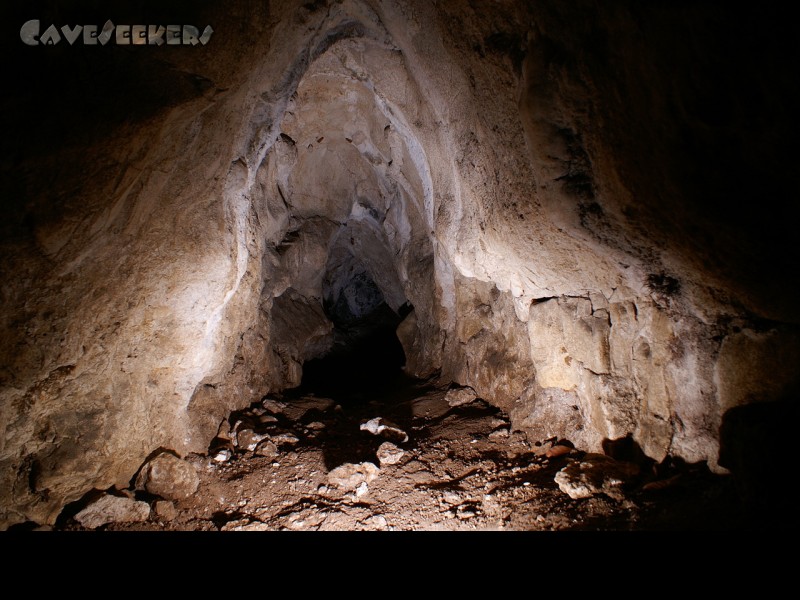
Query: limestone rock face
column 584, row 220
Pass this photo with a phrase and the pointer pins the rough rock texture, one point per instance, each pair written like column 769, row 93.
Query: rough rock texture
column 169, row 477
column 351, row 476
column 113, row 509
column 585, row 204
column 595, row 474
column 389, row 454
column 460, row 396
column 164, row 509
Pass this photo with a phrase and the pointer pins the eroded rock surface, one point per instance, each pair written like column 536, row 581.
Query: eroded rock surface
column 595, row 474
column 563, row 209
column 351, row 476
column 169, row 477
column 112, row 509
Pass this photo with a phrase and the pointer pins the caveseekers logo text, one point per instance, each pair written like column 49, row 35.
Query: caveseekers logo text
column 137, row 35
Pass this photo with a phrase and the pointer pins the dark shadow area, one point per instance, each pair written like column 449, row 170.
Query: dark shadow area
column 362, row 373
column 757, row 445
column 366, row 359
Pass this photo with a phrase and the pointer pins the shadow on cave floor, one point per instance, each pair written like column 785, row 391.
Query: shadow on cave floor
column 362, row 375
column 295, row 462
column 364, row 379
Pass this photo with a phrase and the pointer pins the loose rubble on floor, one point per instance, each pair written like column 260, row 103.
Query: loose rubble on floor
column 438, row 460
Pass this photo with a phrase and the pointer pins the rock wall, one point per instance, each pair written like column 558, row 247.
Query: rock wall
column 524, row 174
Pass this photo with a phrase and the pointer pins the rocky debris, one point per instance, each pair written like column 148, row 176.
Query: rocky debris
column 223, row 455
column 595, row 474
column 382, row 427
column 285, row 438
column 164, row 509
column 389, row 454
column 247, row 439
column 444, row 482
column 377, row 521
column 169, row 477
column 267, row 419
column 267, row 448
column 460, row 396
column 499, row 433
column 316, row 426
column 451, row 498
column 558, row 450
column 350, row 476
column 296, row 409
column 465, row 512
column 113, row 509
column 250, row 526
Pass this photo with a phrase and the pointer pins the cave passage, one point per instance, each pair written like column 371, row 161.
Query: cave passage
column 366, row 359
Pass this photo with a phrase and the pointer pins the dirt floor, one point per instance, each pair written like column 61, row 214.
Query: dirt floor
column 461, row 468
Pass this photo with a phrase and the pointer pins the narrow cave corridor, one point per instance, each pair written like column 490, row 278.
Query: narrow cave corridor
column 378, row 265
column 365, row 355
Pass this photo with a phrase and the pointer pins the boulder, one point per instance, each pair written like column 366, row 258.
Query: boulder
column 169, row 477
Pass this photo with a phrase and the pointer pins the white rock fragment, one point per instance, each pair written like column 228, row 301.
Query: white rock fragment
column 285, row 438
column 169, row 477
column 350, row 476
column 113, row 509
column 362, row 489
column 500, row 433
column 382, row 427
column 460, row 396
column 389, row 454
column 223, row 455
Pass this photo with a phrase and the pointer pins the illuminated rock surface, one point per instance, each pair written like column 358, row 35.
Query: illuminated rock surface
column 580, row 212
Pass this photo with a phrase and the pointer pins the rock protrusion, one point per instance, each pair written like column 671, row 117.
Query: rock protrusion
column 460, row 396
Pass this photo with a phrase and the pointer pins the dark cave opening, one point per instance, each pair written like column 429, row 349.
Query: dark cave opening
column 366, row 359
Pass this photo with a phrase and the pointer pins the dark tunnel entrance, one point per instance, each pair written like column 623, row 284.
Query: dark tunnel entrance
column 366, row 356
column 363, row 298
